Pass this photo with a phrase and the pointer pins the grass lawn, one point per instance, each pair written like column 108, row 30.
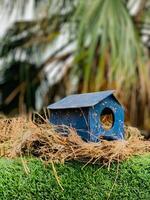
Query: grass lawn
column 131, row 180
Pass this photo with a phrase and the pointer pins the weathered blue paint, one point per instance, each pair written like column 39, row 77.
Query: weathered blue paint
column 76, row 118
column 83, row 112
column 97, row 130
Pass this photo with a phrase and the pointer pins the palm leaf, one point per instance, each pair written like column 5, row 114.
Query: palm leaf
column 109, row 22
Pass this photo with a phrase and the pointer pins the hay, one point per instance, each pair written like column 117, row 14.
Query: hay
column 20, row 137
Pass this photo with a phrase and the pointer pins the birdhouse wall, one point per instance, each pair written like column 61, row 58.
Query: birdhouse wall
column 96, row 128
column 76, row 118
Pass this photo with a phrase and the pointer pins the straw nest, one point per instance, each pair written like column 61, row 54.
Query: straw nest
column 21, row 136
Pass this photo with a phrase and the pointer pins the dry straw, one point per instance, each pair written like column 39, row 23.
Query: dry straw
column 21, row 136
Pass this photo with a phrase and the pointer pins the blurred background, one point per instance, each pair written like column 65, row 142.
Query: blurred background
column 53, row 48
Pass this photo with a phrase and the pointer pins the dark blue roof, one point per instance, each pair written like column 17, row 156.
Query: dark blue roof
column 81, row 100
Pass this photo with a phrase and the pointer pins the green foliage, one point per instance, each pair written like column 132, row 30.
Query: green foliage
column 22, row 50
column 107, row 30
column 130, row 181
column 23, row 76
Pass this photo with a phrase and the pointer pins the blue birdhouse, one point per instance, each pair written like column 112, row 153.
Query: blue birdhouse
column 93, row 115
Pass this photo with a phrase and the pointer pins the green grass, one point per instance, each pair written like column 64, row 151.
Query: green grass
column 90, row 183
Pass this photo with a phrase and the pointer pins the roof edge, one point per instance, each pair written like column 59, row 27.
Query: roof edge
column 54, row 106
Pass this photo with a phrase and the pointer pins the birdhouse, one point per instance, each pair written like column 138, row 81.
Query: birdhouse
column 93, row 115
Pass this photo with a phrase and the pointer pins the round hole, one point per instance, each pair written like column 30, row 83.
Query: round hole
column 107, row 118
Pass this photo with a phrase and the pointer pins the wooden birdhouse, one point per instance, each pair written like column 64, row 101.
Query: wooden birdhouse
column 93, row 115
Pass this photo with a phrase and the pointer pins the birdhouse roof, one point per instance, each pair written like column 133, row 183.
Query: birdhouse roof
column 81, row 100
